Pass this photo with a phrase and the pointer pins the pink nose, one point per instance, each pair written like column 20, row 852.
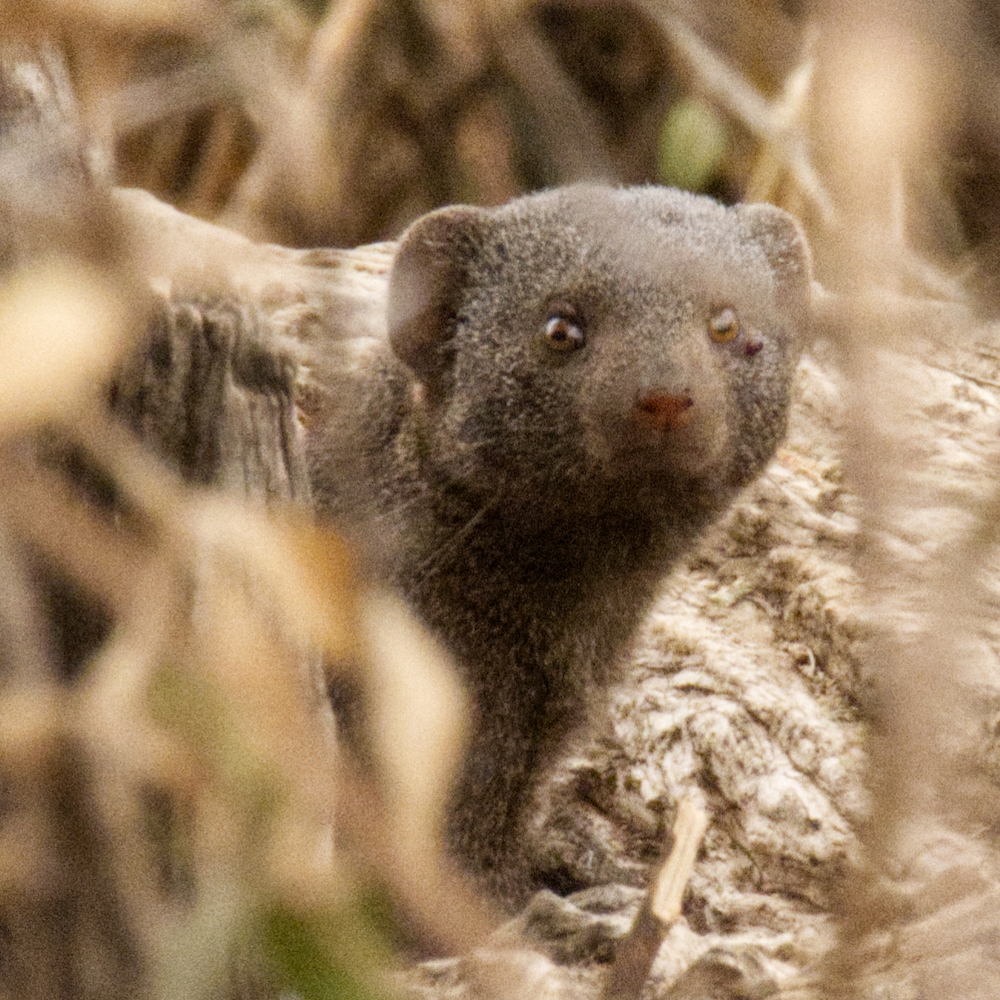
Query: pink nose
column 664, row 411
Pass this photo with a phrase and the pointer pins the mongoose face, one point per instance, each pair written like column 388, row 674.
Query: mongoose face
column 589, row 348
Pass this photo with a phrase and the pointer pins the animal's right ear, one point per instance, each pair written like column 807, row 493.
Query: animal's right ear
column 429, row 272
column 785, row 246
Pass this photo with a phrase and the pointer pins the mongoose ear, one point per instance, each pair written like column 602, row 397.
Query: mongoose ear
column 784, row 244
column 429, row 271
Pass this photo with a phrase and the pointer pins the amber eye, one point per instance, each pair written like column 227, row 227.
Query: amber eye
column 724, row 326
column 563, row 334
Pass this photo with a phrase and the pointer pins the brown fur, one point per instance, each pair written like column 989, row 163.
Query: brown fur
column 527, row 500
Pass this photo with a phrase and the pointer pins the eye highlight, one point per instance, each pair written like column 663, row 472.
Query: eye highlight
column 724, row 326
column 562, row 333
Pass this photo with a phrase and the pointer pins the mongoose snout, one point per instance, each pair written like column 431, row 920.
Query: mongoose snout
column 663, row 411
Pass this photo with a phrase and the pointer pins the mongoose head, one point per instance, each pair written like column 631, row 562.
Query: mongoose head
column 592, row 346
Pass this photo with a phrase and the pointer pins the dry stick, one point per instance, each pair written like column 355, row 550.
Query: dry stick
column 660, row 908
column 769, row 121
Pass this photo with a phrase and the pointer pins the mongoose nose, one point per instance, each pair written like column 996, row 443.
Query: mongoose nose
column 664, row 411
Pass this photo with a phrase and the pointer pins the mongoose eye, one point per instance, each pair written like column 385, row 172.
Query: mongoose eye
column 724, row 326
column 563, row 334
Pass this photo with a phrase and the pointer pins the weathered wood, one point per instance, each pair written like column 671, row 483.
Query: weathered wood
column 313, row 295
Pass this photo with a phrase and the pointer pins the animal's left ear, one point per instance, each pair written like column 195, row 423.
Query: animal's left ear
column 784, row 244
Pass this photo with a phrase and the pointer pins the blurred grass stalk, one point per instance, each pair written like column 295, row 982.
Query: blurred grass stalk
column 887, row 90
column 176, row 791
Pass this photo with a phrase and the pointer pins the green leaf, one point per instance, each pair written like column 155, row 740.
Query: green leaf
column 693, row 142
column 303, row 966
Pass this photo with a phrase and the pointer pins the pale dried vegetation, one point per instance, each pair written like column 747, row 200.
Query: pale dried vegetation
column 821, row 678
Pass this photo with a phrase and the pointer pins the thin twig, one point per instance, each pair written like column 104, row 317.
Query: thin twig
column 661, row 907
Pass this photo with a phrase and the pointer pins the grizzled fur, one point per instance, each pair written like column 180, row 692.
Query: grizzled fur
column 525, row 495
